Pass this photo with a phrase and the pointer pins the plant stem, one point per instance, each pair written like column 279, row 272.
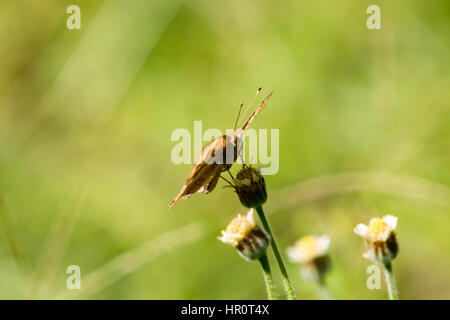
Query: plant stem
column 390, row 282
column 267, row 277
column 324, row 294
column 287, row 282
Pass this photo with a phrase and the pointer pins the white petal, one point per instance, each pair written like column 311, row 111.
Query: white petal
column 367, row 255
column 361, row 230
column 251, row 216
column 291, row 252
column 223, row 239
column 296, row 255
column 227, row 238
column 323, row 243
column 391, row 221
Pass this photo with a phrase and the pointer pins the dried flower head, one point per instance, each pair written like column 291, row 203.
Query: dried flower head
column 312, row 253
column 380, row 237
column 243, row 234
column 250, row 187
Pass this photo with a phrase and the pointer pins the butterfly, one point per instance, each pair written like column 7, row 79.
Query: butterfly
column 216, row 157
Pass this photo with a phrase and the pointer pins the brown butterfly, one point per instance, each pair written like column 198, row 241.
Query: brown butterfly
column 216, row 157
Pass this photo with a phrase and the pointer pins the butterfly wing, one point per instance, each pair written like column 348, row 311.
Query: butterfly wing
column 205, row 174
column 211, row 185
column 204, row 180
column 256, row 112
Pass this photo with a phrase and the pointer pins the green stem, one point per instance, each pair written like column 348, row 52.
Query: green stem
column 390, row 281
column 267, row 277
column 287, row 282
column 324, row 294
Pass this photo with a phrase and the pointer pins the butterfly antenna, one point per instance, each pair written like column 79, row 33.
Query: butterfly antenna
column 250, row 104
column 239, row 113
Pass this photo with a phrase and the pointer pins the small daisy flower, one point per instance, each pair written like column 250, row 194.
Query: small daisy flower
column 243, row 234
column 309, row 248
column 312, row 253
column 380, row 238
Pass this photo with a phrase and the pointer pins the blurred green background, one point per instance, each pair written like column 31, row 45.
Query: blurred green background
column 86, row 118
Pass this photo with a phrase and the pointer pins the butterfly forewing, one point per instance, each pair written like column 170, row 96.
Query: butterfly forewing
column 206, row 171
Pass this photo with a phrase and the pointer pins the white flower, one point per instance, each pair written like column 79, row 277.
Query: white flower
column 309, row 248
column 380, row 237
column 243, row 234
column 378, row 229
column 238, row 228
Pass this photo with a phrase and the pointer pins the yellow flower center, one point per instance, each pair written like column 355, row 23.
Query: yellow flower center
column 240, row 226
column 377, row 228
column 308, row 245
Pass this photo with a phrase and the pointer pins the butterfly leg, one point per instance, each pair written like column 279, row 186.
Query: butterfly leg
column 229, row 182
column 229, row 172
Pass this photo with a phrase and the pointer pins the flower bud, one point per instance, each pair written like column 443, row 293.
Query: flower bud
column 248, row 239
column 250, row 186
column 381, row 241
